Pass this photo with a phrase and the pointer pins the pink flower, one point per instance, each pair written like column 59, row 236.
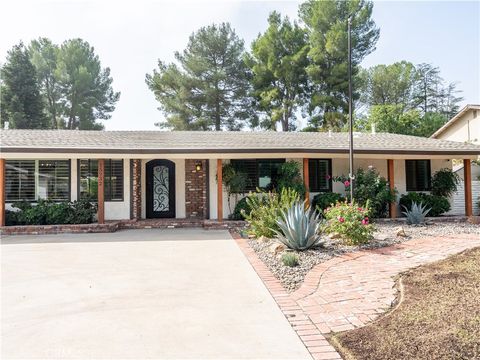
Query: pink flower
column 346, row 183
column 328, row 177
column 341, row 219
column 360, row 209
column 365, row 222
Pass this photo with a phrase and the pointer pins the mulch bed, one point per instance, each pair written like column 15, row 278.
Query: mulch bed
column 437, row 318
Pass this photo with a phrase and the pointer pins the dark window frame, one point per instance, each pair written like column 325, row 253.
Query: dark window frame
column 314, row 187
column 256, row 162
column 107, row 177
column 415, row 186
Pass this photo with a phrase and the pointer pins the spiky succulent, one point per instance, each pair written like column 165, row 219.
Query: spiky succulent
column 417, row 213
column 299, row 227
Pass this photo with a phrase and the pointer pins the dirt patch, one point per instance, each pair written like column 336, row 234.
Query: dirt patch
column 438, row 318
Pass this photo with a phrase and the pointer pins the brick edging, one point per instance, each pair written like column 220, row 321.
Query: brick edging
column 312, row 338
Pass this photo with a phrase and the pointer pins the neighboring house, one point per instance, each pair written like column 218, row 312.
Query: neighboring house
column 158, row 174
column 463, row 127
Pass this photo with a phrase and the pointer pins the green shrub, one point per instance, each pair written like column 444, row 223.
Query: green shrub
column 299, row 227
column 290, row 177
column 241, row 210
column 444, row 182
column 266, row 208
column 370, row 186
column 437, row 204
column 290, row 259
column 324, row 200
column 51, row 213
column 350, row 222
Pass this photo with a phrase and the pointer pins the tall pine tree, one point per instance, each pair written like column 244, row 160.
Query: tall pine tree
column 326, row 23
column 209, row 90
column 21, row 102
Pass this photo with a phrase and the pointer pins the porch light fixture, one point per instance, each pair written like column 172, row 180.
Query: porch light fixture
column 198, row 166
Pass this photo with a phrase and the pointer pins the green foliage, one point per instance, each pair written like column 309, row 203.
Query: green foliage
column 52, row 87
column 210, row 89
column 350, row 222
column 290, row 259
column 50, row 213
column 21, row 102
column 235, row 182
column 242, row 209
column 298, row 227
column 324, row 200
column 44, row 56
column 290, row 177
column 372, row 188
column 437, row 204
column 407, row 99
column 444, row 182
column 86, row 87
column 417, row 213
column 278, row 62
column 326, row 25
column 266, row 208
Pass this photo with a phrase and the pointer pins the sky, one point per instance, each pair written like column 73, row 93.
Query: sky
column 131, row 36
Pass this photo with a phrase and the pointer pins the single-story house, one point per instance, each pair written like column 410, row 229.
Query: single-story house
column 159, row 174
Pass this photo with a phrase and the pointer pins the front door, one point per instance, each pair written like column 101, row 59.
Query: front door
column 160, row 191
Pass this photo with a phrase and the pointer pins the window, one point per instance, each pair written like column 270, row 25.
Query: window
column 53, row 180
column 262, row 173
column 20, row 180
column 319, row 173
column 31, row 180
column 418, row 175
column 88, row 179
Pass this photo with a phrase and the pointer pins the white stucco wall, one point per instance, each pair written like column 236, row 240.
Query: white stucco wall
column 179, row 187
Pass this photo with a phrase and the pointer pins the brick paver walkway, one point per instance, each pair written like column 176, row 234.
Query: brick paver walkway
column 353, row 289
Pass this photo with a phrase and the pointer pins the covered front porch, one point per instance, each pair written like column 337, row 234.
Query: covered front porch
column 176, row 186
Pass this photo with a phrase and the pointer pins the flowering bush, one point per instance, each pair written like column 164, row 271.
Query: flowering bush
column 350, row 222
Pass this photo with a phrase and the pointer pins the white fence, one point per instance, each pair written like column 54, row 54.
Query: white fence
column 458, row 199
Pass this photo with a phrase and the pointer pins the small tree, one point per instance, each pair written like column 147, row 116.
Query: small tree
column 444, row 182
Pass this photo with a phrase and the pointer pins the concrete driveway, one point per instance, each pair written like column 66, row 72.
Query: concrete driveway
column 157, row 294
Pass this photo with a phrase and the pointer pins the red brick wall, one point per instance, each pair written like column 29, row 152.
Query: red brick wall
column 195, row 189
column 136, row 189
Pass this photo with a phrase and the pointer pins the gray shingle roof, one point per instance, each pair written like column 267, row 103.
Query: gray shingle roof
column 221, row 142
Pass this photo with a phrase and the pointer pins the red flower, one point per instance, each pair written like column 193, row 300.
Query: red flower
column 346, row 183
column 365, row 221
column 341, row 219
column 360, row 209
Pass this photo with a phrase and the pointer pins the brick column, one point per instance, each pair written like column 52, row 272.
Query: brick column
column 391, row 181
column 136, row 196
column 196, row 188
column 2, row 192
column 101, row 191
column 306, row 180
column 467, row 178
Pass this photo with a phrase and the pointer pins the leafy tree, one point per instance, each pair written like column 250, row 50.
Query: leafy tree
column 21, row 102
column 278, row 62
column 44, row 55
column 326, row 23
column 389, row 85
column 210, row 89
column 86, row 87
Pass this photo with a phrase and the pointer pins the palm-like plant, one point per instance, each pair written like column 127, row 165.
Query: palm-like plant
column 299, row 227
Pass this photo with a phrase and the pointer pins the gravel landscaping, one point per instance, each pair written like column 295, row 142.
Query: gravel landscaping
column 387, row 233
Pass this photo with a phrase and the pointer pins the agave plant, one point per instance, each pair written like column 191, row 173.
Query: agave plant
column 299, row 227
column 416, row 214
